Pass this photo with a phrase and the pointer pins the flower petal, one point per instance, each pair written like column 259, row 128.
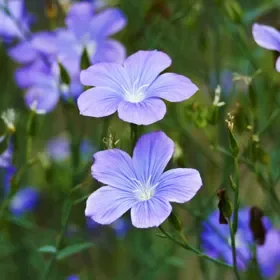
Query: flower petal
column 151, row 155
column 42, row 100
column 113, row 167
column 150, row 213
column 144, row 66
column 109, row 51
column 266, row 37
column 44, row 42
column 107, row 204
column 107, row 75
column 172, row 87
column 145, row 112
column 78, row 18
column 107, row 23
column 23, row 52
column 29, row 75
column 98, row 102
column 179, row 185
column 25, row 200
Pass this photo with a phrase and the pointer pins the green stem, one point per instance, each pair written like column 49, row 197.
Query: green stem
column 233, row 248
column 134, row 134
column 236, row 196
column 65, row 218
column 188, row 247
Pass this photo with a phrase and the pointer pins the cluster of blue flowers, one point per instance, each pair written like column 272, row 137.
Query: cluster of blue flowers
column 133, row 87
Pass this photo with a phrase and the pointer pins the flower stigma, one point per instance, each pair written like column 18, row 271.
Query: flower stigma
column 144, row 191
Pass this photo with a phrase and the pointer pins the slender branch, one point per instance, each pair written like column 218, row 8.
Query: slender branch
column 188, row 247
column 233, row 246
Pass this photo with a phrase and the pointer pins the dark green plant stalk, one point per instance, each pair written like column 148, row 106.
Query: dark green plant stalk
column 65, row 218
column 233, row 246
column 184, row 244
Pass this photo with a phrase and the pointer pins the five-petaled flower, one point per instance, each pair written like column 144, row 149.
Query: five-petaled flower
column 134, row 89
column 268, row 38
column 139, row 183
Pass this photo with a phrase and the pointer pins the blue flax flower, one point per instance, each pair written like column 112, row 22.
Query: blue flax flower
column 14, row 20
column 134, row 89
column 35, row 54
column 140, row 183
column 59, row 149
column 25, row 200
column 216, row 243
column 86, row 30
column 120, row 226
column 268, row 38
column 73, row 277
column 7, row 156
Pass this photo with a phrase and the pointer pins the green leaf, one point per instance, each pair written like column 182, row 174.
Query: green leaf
column 175, row 221
column 73, row 249
column 64, row 76
column 85, row 61
column 47, row 249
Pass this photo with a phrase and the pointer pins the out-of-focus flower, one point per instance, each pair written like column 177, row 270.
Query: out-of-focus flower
column 85, row 30
column 36, row 54
column 25, row 200
column 14, row 20
column 134, row 89
column 58, row 149
column 7, row 156
column 9, row 118
column 120, row 226
column 139, row 183
column 268, row 38
column 48, row 88
column 216, row 242
column 73, row 277
column 226, row 81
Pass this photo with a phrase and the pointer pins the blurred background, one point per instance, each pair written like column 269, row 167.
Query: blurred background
column 209, row 41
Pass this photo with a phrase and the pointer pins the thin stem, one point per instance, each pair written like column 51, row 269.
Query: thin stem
column 188, row 247
column 134, row 134
column 233, row 248
column 68, row 205
column 236, row 196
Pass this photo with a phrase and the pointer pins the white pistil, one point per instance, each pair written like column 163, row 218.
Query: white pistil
column 134, row 94
column 144, row 191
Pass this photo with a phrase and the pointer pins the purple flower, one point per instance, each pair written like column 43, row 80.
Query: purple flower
column 25, row 200
column 7, row 156
column 225, row 81
column 134, row 89
column 46, row 90
column 37, row 54
column 120, row 226
column 14, row 21
column 88, row 31
column 59, row 149
column 8, row 175
column 216, row 242
column 73, row 277
column 268, row 38
column 139, row 184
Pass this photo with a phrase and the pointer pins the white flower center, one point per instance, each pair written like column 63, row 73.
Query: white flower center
column 135, row 94
column 86, row 43
column 144, row 191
